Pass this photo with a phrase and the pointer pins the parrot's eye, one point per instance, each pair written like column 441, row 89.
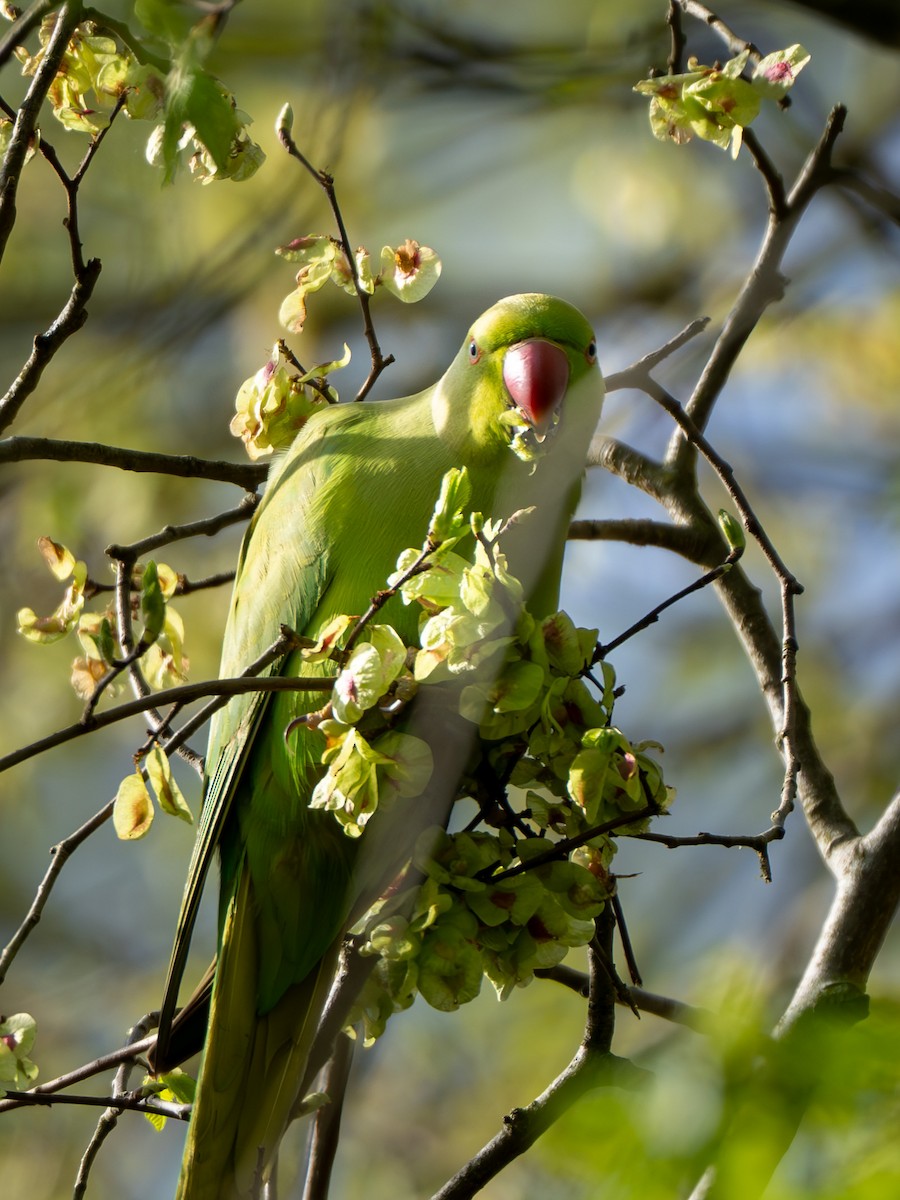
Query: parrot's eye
column 474, row 351
column 591, row 352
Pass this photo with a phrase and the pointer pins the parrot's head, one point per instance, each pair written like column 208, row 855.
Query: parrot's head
column 526, row 372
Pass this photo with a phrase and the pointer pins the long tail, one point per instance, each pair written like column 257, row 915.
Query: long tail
column 252, row 1069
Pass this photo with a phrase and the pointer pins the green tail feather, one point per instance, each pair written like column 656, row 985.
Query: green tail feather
column 252, row 1069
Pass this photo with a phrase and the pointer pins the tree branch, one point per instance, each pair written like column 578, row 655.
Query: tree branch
column 207, row 527
column 763, row 285
column 327, row 1122
column 866, row 900
column 26, row 119
column 593, row 1066
column 70, row 319
column 184, row 694
column 185, row 466
column 702, row 13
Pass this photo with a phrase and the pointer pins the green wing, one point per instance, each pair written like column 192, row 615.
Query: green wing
column 281, row 575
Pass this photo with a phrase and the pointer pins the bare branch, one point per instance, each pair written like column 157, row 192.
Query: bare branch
column 640, row 369
column 763, row 285
column 185, row 466
column 565, row 846
column 830, row 995
column 207, row 527
column 664, row 1007
column 874, row 194
column 60, row 853
column 113, row 1104
column 636, row 531
column 120, row 1102
column 676, row 49
column 71, row 318
column 771, row 177
column 653, row 616
column 867, row 898
column 184, row 694
column 759, row 842
column 734, row 43
column 593, row 1066
column 327, row 1123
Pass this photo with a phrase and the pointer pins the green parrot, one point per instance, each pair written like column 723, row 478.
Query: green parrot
column 517, row 407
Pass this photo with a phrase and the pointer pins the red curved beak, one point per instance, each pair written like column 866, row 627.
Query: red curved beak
column 536, row 374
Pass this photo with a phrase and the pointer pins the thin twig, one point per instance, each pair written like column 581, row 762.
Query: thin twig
column 22, row 26
column 764, row 284
column 676, row 33
column 185, row 586
column 71, row 318
column 602, row 651
column 664, row 1007
column 284, row 643
column 625, row 938
column 122, row 1100
column 381, row 598
column 758, row 842
column 789, row 585
column 735, row 44
column 129, row 1053
column 115, row 1104
column 879, row 197
column 326, row 182
column 60, row 853
column 725, row 472
column 774, row 183
column 207, row 527
column 638, row 370
column 565, row 846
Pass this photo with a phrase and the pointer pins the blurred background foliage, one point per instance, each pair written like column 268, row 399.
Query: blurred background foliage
column 506, row 136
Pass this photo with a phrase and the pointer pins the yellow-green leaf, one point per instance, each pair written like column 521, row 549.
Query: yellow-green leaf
column 60, row 560
column 153, row 604
column 133, row 808
column 166, row 789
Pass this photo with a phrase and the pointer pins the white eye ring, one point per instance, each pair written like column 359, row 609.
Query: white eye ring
column 474, row 351
column 591, row 352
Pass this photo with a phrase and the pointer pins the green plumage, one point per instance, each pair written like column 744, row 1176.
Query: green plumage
column 355, row 489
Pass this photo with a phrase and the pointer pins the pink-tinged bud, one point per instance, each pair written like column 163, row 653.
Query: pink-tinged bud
column 536, row 374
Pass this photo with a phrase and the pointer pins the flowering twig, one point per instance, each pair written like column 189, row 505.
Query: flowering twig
column 138, row 1043
column 326, row 182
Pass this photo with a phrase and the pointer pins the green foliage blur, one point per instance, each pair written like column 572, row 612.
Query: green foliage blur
column 507, row 137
